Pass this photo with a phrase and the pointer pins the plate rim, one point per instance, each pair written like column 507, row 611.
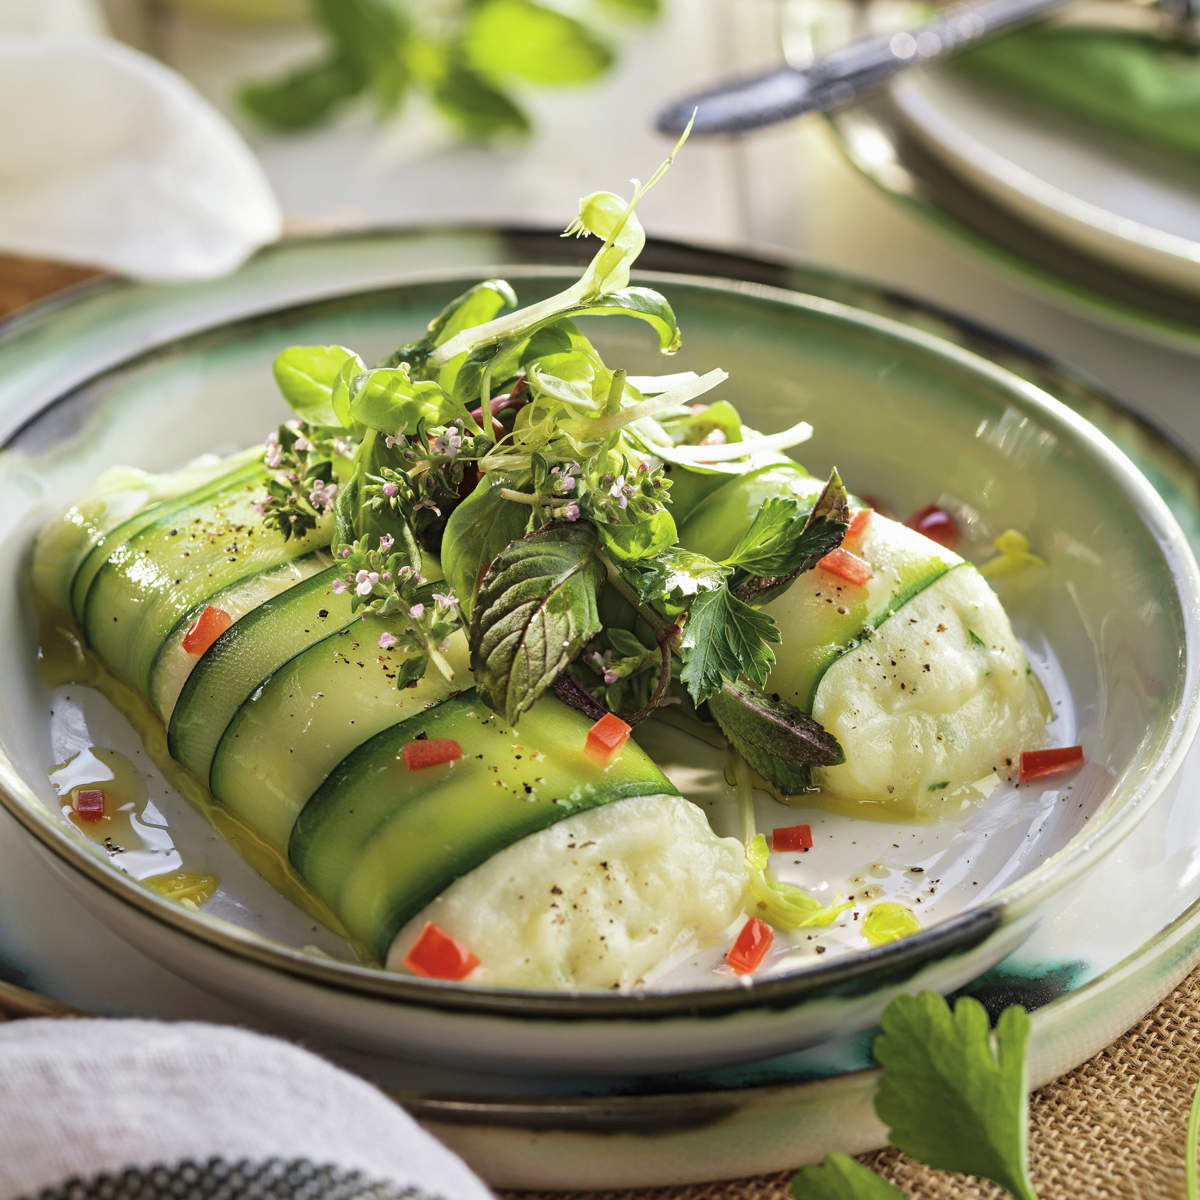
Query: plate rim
column 1006, row 177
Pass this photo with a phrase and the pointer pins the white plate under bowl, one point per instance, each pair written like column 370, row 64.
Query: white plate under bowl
column 1119, row 620
column 1139, row 211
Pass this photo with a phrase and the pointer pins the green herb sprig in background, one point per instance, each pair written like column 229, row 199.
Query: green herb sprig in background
column 471, row 58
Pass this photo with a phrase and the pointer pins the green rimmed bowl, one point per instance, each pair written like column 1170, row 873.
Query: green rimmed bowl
column 905, row 414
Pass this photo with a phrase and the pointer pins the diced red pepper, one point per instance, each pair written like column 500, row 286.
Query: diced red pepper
column 205, row 630
column 430, row 752
column 1036, row 763
column 847, row 566
column 89, row 804
column 436, row 955
column 606, row 737
column 751, row 946
column 937, row 525
column 792, row 837
column 858, row 525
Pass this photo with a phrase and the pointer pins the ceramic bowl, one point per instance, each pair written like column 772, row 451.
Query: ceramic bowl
column 1112, row 625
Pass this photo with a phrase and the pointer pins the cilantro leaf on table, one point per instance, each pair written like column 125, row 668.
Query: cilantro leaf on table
column 722, row 639
column 840, row 1177
column 949, row 1098
column 534, row 612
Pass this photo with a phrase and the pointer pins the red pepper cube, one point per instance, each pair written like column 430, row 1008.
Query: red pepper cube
column 1036, row 763
column 858, row 525
column 751, row 946
column 430, row 752
column 205, row 630
column 606, row 737
column 847, row 566
column 89, row 804
column 937, row 525
column 436, row 955
column 792, row 837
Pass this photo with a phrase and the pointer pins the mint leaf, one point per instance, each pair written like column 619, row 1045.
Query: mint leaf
column 840, row 1177
column 722, row 639
column 532, row 42
column 535, row 611
column 778, row 740
column 948, row 1097
column 786, row 539
column 306, row 376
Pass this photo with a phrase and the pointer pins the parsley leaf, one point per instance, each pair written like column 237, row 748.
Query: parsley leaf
column 947, row 1097
column 840, row 1177
column 724, row 638
column 784, row 540
column 675, row 575
column 534, row 612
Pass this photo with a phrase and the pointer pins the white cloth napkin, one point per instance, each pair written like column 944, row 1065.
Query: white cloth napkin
column 111, row 159
column 138, row 1110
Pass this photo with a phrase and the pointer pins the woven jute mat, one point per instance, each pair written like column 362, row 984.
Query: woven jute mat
column 1114, row 1129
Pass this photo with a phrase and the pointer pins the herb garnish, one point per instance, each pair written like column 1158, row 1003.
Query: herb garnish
column 954, row 1094
column 501, row 443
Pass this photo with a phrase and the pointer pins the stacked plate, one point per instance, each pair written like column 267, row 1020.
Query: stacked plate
column 1043, row 900
column 1097, row 215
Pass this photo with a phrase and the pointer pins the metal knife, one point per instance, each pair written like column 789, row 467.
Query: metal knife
column 844, row 75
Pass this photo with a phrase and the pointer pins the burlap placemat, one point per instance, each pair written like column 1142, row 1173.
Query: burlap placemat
column 1114, row 1129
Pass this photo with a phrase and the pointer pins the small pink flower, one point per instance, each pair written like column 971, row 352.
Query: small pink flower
column 387, row 641
column 339, row 586
column 386, row 542
column 303, row 445
column 610, row 676
column 446, row 599
column 390, row 489
column 417, row 611
column 571, row 512
column 365, row 581
column 345, row 551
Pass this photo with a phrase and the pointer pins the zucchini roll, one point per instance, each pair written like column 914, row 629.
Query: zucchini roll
column 285, row 705
column 912, row 664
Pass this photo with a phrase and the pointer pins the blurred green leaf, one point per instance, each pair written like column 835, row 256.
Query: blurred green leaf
column 372, row 35
column 642, row 9
column 524, row 39
column 304, row 98
column 479, row 108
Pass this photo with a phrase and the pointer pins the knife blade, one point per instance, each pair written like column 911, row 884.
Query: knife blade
column 841, row 77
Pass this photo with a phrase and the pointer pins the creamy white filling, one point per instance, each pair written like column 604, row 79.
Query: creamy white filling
column 940, row 696
column 604, row 899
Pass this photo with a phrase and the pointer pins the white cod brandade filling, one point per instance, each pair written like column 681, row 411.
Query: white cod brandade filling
column 938, row 697
column 604, row 899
